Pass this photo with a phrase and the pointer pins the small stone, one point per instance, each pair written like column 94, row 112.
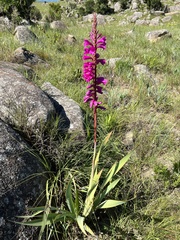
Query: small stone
column 129, row 139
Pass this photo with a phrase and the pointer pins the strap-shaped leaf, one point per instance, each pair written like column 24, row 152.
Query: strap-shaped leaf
column 52, row 217
column 107, row 138
column 101, row 195
column 80, row 221
column 111, row 186
column 122, row 162
column 45, row 220
column 69, row 198
column 34, row 223
column 114, row 170
column 56, row 217
column 88, row 229
column 33, row 215
column 76, row 203
column 110, row 203
column 90, row 195
column 35, row 209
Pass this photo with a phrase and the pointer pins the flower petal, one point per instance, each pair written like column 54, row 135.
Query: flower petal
column 86, row 57
column 102, row 61
column 99, row 89
column 102, row 80
column 87, row 43
column 90, row 50
column 87, row 99
column 94, row 103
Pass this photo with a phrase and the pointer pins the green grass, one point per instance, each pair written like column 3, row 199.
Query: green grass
column 149, row 110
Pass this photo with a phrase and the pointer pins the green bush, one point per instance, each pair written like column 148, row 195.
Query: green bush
column 89, row 6
column 15, row 16
column 35, row 14
column 81, row 11
column 101, row 6
column 124, row 4
column 55, row 12
column 98, row 6
column 154, row 4
column 23, row 7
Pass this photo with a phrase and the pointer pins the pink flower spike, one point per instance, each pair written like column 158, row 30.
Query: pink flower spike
column 91, row 60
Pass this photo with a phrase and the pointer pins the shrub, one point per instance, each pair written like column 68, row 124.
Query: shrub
column 81, row 11
column 98, row 6
column 101, row 6
column 89, row 6
column 15, row 16
column 124, row 4
column 35, row 14
column 23, row 7
column 55, row 12
column 154, row 4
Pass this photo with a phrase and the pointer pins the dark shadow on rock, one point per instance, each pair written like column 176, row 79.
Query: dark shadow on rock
column 21, row 184
column 64, row 122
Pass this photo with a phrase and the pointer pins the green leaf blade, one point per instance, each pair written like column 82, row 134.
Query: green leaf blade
column 80, row 221
column 110, row 204
column 115, row 169
column 69, row 198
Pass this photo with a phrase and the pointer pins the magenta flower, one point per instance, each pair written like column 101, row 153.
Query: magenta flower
column 91, row 60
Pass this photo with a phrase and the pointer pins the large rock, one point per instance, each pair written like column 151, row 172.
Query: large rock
column 70, row 108
column 135, row 17
column 142, row 22
column 21, row 183
column 21, row 102
column 24, row 35
column 158, row 34
column 22, row 55
column 155, row 21
column 101, row 19
column 166, row 19
column 25, row 70
column 58, row 25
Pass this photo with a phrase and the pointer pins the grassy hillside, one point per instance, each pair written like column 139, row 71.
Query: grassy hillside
column 143, row 113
